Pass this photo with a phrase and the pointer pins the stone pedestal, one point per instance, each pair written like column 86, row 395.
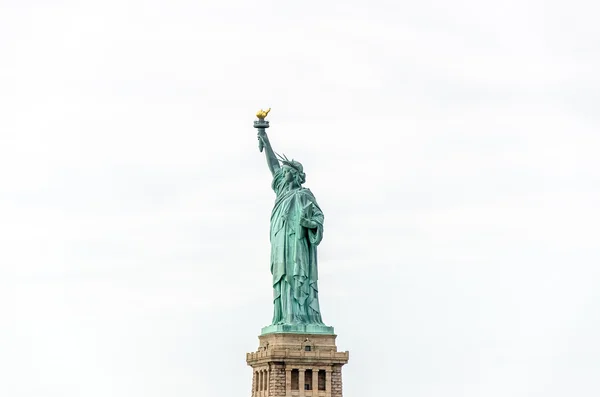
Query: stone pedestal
column 299, row 365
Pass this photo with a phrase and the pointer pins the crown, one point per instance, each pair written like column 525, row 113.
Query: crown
column 291, row 163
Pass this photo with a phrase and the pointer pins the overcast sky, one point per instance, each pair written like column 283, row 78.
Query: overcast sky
column 452, row 145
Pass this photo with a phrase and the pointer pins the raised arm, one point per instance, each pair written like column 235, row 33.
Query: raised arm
column 272, row 161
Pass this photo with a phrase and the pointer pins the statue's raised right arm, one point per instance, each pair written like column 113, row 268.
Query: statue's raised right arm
column 272, row 161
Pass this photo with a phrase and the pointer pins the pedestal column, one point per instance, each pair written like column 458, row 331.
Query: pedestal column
column 288, row 382
column 302, row 372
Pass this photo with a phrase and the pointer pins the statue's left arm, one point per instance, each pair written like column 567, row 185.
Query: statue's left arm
column 312, row 219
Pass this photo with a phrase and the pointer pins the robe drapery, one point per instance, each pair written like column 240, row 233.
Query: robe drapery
column 294, row 254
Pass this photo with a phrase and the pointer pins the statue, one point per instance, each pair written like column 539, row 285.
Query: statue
column 296, row 231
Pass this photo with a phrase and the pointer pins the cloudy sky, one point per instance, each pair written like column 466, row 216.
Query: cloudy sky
column 453, row 147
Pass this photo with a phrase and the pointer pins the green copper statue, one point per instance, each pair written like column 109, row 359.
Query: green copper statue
column 296, row 231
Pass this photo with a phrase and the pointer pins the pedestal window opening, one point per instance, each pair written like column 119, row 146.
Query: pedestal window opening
column 295, row 379
column 308, row 379
column 322, row 379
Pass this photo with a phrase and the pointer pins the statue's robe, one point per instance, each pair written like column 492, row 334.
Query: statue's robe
column 294, row 255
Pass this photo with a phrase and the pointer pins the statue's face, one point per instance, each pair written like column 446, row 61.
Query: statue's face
column 288, row 174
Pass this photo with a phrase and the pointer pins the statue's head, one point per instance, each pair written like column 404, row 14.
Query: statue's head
column 293, row 171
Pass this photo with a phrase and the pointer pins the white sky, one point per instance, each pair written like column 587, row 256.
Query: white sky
column 453, row 147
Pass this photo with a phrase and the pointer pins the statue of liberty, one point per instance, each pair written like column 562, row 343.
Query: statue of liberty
column 296, row 231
